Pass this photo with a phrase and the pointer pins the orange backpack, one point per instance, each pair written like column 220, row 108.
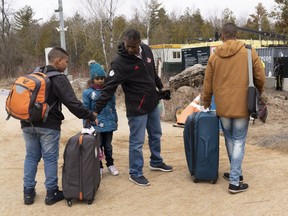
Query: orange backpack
column 27, row 99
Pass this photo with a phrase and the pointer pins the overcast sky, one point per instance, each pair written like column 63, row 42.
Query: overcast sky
column 241, row 8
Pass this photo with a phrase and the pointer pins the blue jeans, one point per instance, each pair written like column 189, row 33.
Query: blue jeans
column 41, row 142
column 235, row 133
column 138, row 126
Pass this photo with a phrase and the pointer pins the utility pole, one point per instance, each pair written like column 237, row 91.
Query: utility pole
column 260, row 28
column 61, row 28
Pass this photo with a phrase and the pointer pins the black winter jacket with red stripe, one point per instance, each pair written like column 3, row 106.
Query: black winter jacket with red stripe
column 138, row 79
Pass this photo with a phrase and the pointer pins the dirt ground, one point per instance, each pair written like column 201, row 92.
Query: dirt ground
column 175, row 193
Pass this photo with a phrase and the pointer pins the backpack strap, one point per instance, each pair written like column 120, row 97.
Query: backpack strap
column 48, row 110
column 44, row 70
column 37, row 69
column 53, row 73
column 49, row 74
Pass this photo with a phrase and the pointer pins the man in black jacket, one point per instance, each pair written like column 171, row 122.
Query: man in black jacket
column 278, row 70
column 134, row 70
column 42, row 138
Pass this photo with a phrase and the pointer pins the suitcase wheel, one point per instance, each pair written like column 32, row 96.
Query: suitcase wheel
column 69, row 202
column 90, row 201
column 214, row 181
column 196, row 180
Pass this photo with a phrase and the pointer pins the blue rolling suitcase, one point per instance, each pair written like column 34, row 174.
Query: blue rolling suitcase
column 201, row 142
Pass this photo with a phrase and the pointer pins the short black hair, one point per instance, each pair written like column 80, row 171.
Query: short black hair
column 132, row 34
column 229, row 31
column 57, row 52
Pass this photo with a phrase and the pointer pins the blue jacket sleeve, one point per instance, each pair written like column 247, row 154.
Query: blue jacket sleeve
column 86, row 102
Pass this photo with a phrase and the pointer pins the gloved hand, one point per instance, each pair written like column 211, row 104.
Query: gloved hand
column 166, row 94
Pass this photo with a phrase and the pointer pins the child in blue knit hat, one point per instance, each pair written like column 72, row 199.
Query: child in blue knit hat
column 107, row 118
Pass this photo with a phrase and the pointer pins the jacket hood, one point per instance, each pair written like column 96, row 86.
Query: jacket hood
column 121, row 50
column 229, row 48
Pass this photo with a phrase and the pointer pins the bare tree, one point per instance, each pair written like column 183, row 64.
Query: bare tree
column 147, row 18
column 6, row 47
column 150, row 10
column 5, row 22
column 227, row 16
column 280, row 15
column 104, row 12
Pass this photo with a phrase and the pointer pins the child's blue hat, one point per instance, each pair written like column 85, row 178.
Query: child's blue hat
column 96, row 70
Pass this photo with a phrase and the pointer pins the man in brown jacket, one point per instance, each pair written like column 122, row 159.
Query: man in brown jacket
column 226, row 77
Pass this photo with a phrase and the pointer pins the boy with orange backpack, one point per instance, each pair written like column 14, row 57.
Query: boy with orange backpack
column 42, row 137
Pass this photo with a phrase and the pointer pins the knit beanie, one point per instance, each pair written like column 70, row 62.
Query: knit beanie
column 96, row 70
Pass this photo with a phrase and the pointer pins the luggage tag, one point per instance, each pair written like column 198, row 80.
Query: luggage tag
column 89, row 130
column 206, row 110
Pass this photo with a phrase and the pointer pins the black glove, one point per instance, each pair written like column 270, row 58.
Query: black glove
column 166, row 95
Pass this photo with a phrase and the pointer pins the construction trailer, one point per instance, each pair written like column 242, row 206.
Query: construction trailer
column 170, row 57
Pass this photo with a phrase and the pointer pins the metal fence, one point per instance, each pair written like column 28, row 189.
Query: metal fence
column 269, row 54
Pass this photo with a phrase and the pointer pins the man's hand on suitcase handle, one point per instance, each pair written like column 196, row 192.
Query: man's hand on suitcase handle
column 88, row 128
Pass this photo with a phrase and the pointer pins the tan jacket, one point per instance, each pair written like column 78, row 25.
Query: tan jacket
column 226, row 77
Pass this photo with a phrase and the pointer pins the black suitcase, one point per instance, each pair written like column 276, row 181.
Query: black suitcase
column 81, row 169
column 201, row 142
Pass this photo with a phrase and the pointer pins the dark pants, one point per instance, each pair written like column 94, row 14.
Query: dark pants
column 106, row 146
column 279, row 82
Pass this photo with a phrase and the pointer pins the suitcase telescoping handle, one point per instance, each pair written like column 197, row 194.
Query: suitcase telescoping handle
column 81, row 168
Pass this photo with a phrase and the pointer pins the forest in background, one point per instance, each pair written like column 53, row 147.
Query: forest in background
column 23, row 39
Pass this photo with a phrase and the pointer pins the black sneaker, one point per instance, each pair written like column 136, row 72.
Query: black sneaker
column 237, row 189
column 227, row 175
column 163, row 167
column 53, row 196
column 29, row 196
column 141, row 181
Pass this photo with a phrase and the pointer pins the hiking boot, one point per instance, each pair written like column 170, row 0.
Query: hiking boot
column 112, row 169
column 141, row 181
column 227, row 175
column 237, row 189
column 53, row 196
column 163, row 167
column 29, row 195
